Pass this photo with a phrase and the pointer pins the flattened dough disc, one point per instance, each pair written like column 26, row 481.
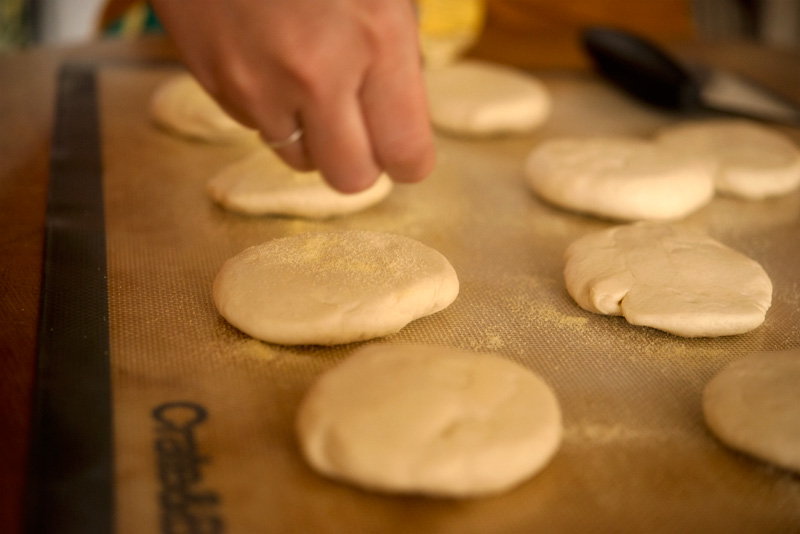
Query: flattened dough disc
column 332, row 287
column 755, row 161
column 476, row 98
column 753, row 405
column 181, row 106
column 621, row 178
column 667, row 277
column 428, row 419
column 261, row 184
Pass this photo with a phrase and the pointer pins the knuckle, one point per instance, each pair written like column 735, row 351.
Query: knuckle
column 313, row 65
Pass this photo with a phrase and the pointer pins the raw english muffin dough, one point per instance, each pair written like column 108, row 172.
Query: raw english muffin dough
column 181, row 106
column 753, row 405
column 669, row 278
column 261, row 184
column 429, row 420
column 620, row 178
column 474, row 98
column 755, row 161
column 332, row 287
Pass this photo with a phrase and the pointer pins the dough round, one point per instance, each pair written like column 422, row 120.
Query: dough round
column 753, row 405
column 755, row 161
column 181, row 106
column 261, row 184
column 332, row 287
column 669, row 278
column 482, row 99
column 430, row 420
column 619, row 178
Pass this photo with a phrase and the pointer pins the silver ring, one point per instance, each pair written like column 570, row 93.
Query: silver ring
column 293, row 137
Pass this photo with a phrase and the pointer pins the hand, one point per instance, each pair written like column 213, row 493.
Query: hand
column 347, row 71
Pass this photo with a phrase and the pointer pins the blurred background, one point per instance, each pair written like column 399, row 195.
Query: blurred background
column 25, row 23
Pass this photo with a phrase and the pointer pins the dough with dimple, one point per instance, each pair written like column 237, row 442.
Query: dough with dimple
column 667, row 277
column 753, row 405
column 430, row 420
column 261, row 184
column 181, row 106
column 620, row 178
column 755, row 161
column 476, row 98
column 328, row 288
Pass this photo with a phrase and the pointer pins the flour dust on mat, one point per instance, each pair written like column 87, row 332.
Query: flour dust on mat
column 753, row 405
column 755, row 161
column 621, row 178
column 182, row 107
column 480, row 99
column 332, row 287
column 669, row 278
column 429, row 420
column 262, row 184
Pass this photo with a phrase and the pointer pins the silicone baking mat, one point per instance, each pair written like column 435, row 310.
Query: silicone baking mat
column 200, row 416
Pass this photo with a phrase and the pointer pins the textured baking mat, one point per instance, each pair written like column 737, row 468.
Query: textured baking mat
column 203, row 415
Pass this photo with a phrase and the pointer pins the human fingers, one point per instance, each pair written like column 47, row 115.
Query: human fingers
column 393, row 99
column 328, row 67
column 361, row 102
column 256, row 90
column 279, row 121
column 338, row 143
column 239, row 69
column 269, row 104
column 292, row 149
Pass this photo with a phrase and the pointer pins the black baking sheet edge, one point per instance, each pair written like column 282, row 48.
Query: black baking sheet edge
column 70, row 483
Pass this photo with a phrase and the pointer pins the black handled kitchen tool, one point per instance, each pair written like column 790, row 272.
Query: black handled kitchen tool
column 647, row 72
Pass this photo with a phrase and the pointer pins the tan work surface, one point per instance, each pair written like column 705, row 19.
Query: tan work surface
column 636, row 456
